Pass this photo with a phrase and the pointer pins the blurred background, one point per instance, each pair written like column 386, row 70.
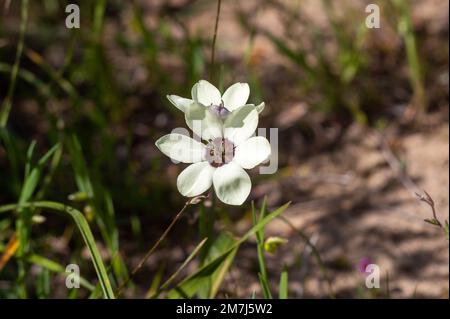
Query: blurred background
column 362, row 116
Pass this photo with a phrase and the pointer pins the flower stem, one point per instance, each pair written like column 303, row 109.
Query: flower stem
column 206, row 225
column 263, row 278
column 152, row 249
column 213, row 49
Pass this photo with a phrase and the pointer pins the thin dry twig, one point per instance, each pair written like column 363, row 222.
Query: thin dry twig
column 192, row 201
column 426, row 198
column 408, row 183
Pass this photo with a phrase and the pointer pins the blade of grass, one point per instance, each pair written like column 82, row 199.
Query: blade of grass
column 99, row 14
column 260, row 250
column 43, row 284
column 32, row 176
column 56, row 268
column 79, row 166
column 85, row 231
column 265, row 287
column 217, row 281
column 406, row 30
column 221, row 244
column 103, row 209
column 64, row 84
column 54, row 164
column 192, row 283
column 29, row 158
column 6, row 105
column 23, row 222
column 29, row 77
column 315, row 252
column 167, row 283
column 156, row 281
column 283, row 290
column 14, row 158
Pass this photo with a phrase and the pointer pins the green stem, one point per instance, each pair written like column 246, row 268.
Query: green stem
column 206, row 225
column 315, row 252
column 261, row 261
column 263, row 277
column 406, row 29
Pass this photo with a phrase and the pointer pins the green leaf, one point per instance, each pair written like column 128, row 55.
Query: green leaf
column 222, row 243
column 207, row 281
column 183, row 265
column 102, row 211
column 29, row 158
column 23, row 223
column 55, row 267
column 190, row 285
column 33, row 175
column 43, row 284
column 283, row 290
column 79, row 167
column 154, row 286
column 298, row 57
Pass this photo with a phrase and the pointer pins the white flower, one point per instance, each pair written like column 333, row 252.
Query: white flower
column 207, row 94
column 229, row 149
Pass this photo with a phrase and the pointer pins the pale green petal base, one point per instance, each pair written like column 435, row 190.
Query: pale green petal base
column 231, row 184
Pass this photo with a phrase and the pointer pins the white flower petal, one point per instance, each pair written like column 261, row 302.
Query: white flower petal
column 260, row 107
column 180, row 102
column 252, row 152
column 236, row 96
column 194, row 92
column 241, row 124
column 195, row 179
column 203, row 122
column 231, row 184
column 205, row 93
column 181, row 148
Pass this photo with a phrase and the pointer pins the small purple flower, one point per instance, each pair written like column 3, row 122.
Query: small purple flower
column 363, row 263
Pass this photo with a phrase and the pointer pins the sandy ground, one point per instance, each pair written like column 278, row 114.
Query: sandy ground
column 359, row 208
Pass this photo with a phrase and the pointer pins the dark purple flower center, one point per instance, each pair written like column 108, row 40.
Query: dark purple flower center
column 219, row 151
